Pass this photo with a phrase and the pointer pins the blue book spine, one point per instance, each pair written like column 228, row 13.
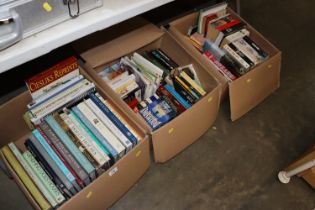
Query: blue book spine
column 113, row 118
column 177, row 96
column 88, row 167
column 80, row 115
column 90, row 133
column 53, row 156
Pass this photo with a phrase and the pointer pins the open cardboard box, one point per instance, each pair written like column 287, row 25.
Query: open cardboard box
column 248, row 90
column 103, row 191
column 186, row 128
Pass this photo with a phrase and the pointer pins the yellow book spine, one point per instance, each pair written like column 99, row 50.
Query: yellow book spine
column 25, row 178
column 193, row 83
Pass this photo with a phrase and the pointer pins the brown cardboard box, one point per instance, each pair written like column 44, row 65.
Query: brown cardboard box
column 103, row 191
column 182, row 131
column 249, row 90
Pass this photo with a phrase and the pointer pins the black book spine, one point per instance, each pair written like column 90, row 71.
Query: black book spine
column 161, row 59
column 168, row 59
column 241, row 54
column 43, row 163
column 191, row 87
column 183, row 92
column 256, row 47
column 232, row 65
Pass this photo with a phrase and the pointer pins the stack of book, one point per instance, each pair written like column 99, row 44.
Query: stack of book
column 76, row 136
column 154, row 85
column 225, row 40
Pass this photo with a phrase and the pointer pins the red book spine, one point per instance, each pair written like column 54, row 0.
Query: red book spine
column 222, row 69
column 80, row 182
column 228, row 25
column 50, row 75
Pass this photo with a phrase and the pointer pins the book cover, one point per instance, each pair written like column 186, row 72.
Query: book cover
column 53, row 165
column 66, row 164
column 65, row 153
column 88, row 167
column 46, row 167
column 112, row 152
column 52, row 77
column 29, row 185
column 116, row 118
column 104, row 131
column 29, row 158
column 111, row 126
column 33, row 175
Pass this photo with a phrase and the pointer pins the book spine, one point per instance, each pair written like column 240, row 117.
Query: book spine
column 53, row 165
column 32, row 175
column 58, row 145
column 25, row 179
column 188, row 90
column 243, row 46
column 241, row 54
column 201, row 91
column 66, row 95
column 85, row 120
column 62, row 159
column 161, row 59
column 111, row 139
column 52, row 74
column 71, row 147
column 40, row 92
column 235, row 36
column 222, row 69
column 162, row 91
column 113, row 116
column 255, row 46
column 183, row 92
column 78, row 144
column 64, row 102
column 54, row 92
column 75, row 118
column 54, row 156
column 168, row 59
column 111, row 126
column 43, row 177
column 89, row 145
column 238, row 58
column 49, row 171
column 177, row 96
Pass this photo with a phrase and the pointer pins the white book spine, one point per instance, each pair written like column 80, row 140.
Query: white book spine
column 131, row 129
column 54, row 91
column 102, row 128
column 60, row 97
column 247, row 50
column 58, row 104
column 32, row 162
column 238, row 58
column 32, row 175
column 88, row 143
column 111, row 126
column 59, row 81
column 237, row 35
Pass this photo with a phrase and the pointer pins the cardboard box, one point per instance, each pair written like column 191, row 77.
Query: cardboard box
column 103, row 191
column 176, row 135
column 252, row 88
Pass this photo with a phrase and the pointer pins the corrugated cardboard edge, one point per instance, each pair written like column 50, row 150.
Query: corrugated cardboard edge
column 166, row 146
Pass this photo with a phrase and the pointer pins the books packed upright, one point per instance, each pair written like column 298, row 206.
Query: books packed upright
column 154, row 85
column 76, row 136
column 225, row 41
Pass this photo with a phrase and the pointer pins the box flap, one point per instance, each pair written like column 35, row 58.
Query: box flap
column 132, row 34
